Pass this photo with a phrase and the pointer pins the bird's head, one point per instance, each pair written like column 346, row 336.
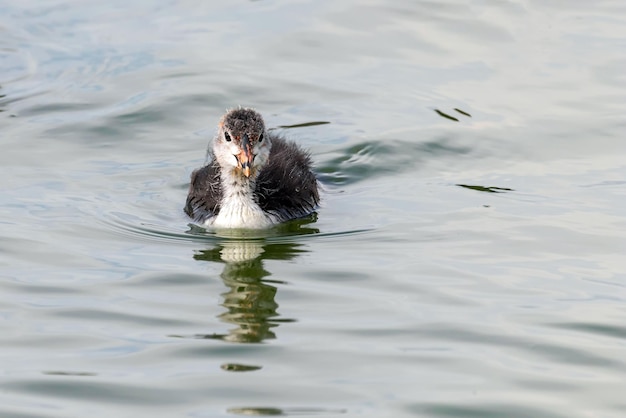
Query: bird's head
column 242, row 145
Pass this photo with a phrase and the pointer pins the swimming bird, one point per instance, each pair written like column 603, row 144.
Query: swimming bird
column 255, row 179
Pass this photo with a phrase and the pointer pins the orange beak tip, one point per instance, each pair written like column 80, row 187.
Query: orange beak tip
column 244, row 163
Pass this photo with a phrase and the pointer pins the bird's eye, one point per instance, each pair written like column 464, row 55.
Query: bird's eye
column 227, row 136
column 261, row 137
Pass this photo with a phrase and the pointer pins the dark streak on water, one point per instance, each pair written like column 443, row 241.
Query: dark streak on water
column 488, row 189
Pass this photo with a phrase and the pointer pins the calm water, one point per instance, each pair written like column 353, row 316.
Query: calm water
column 468, row 259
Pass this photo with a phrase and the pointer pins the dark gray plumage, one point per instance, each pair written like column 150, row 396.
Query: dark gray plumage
column 282, row 184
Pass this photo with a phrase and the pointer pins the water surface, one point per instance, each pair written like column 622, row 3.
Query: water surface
column 467, row 259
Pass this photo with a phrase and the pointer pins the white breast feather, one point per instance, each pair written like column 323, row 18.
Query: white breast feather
column 240, row 211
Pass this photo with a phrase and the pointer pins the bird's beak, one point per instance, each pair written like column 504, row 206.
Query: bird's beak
column 245, row 157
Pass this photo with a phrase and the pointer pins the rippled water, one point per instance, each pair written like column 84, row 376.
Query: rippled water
column 468, row 258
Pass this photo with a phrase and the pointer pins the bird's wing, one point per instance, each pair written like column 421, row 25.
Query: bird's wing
column 287, row 186
column 205, row 193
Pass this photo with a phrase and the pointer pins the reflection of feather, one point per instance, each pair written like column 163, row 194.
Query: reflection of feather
column 238, row 251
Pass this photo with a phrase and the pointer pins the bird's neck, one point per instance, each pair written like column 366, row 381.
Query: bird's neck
column 239, row 208
column 234, row 184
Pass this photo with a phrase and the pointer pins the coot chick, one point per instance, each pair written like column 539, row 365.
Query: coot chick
column 255, row 179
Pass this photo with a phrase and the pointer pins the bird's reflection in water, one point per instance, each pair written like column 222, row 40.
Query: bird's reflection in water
column 250, row 300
